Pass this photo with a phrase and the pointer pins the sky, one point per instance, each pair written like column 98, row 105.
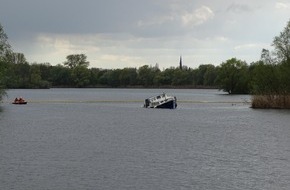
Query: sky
column 132, row 33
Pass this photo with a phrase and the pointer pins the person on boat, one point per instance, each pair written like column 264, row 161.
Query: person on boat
column 21, row 100
column 16, row 100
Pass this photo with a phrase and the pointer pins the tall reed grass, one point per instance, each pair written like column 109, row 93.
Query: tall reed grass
column 271, row 101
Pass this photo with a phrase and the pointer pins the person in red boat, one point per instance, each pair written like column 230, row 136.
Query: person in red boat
column 16, row 100
column 21, row 100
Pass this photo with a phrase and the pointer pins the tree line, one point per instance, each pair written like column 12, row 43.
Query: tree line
column 75, row 73
column 268, row 76
column 232, row 76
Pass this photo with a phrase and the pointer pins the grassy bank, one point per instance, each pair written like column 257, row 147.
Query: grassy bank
column 271, row 101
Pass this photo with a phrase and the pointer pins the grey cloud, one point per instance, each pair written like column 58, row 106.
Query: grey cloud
column 141, row 28
column 238, row 8
column 71, row 16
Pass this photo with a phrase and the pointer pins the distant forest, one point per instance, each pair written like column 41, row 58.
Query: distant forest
column 268, row 78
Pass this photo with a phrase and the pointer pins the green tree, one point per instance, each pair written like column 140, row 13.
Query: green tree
column 210, row 76
column 205, row 75
column 199, row 74
column 233, row 77
column 80, row 76
column 75, row 60
column 5, row 74
column 165, row 77
column 281, row 44
column 80, row 73
column 61, row 76
column 266, row 57
column 45, row 71
column 146, row 75
column 111, row 78
column 264, row 78
column 35, row 77
column 16, row 58
column 103, row 79
column 3, row 69
column 181, row 78
column 272, row 73
column 22, row 73
column 36, row 80
column 5, row 49
column 128, row 76
column 95, row 75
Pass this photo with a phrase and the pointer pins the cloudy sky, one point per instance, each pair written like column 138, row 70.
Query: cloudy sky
column 132, row 33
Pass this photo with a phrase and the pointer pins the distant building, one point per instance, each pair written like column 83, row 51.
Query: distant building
column 180, row 63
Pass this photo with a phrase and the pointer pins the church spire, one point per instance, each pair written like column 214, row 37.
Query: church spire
column 180, row 63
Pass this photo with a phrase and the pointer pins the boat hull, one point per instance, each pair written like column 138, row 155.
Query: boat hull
column 168, row 105
column 19, row 103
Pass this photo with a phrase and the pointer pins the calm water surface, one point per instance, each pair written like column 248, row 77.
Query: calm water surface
column 103, row 139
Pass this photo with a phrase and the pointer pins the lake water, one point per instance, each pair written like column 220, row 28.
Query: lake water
column 73, row 139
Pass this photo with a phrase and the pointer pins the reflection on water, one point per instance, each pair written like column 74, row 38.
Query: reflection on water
column 103, row 139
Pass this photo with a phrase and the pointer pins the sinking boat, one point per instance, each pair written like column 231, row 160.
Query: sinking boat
column 161, row 101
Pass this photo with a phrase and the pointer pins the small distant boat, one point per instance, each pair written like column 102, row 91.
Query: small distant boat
column 161, row 101
column 19, row 101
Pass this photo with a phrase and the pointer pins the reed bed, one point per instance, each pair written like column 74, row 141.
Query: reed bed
column 271, row 101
